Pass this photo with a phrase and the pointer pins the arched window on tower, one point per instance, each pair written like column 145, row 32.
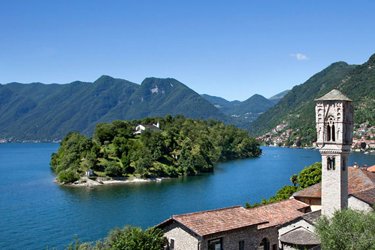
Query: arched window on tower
column 328, row 133
column 333, row 137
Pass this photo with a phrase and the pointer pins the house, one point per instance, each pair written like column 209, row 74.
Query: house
column 232, row 227
column 287, row 224
column 361, row 191
column 140, row 128
column 89, row 173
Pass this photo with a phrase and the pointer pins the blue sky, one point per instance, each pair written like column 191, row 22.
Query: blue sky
column 231, row 49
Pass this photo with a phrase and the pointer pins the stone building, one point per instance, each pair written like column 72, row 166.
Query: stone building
column 287, row 224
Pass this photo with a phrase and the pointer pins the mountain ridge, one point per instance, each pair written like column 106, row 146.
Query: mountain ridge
column 289, row 122
column 40, row 111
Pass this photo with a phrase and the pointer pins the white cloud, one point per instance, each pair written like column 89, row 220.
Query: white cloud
column 300, row 56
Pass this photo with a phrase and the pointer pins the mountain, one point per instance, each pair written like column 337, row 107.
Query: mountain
column 39, row 111
column 293, row 116
column 241, row 113
column 276, row 98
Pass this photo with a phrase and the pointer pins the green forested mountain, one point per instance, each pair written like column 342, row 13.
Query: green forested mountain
column 296, row 109
column 276, row 98
column 180, row 147
column 49, row 111
column 241, row 113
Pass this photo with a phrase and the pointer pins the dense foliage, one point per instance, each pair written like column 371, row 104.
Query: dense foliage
column 128, row 238
column 180, row 147
column 347, row 230
column 297, row 107
column 307, row 177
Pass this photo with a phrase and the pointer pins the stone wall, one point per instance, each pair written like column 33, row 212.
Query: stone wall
column 182, row 239
column 251, row 237
column 357, row 204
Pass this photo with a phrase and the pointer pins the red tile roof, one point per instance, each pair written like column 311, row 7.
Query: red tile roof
column 314, row 191
column 279, row 213
column 371, row 169
column 367, row 196
column 219, row 220
column 359, row 180
column 226, row 219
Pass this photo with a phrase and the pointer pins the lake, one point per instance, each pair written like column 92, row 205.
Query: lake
column 35, row 213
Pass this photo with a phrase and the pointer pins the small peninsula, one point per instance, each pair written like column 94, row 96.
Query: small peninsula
column 149, row 149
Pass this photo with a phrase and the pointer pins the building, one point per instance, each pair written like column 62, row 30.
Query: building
column 140, row 128
column 287, row 224
column 231, row 228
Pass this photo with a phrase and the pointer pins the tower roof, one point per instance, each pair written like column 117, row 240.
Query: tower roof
column 333, row 95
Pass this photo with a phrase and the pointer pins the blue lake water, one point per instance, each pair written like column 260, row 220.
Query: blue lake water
column 35, row 213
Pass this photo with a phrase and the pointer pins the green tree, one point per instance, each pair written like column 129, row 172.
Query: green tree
column 128, row 238
column 182, row 147
column 310, row 175
column 347, row 230
column 134, row 238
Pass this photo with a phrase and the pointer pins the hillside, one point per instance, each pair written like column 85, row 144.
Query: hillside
column 241, row 113
column 276, row 98
column 39, row 111
column 291, row 121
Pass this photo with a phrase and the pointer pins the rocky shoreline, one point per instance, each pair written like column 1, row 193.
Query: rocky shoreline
column 101, row 181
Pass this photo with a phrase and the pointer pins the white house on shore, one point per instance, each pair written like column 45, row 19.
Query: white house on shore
column 287, row 224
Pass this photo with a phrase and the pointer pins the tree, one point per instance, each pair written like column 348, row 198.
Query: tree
column 134, row 238
column 347, row 230
column 128, row 238
column 310, row 175
column 182, row 147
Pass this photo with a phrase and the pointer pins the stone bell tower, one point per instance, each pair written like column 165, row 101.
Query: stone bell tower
column 334, row 126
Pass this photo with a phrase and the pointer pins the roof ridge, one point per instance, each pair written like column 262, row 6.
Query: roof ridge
column 276, row 202
column 205, row 211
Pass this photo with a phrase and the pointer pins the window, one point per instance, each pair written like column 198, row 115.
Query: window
column 330, row 163
column 216, row 244
column 328, row 133
column 241, row 245
column 265, row 244
column 171, row 244
column 330, row 129
column 274, row 247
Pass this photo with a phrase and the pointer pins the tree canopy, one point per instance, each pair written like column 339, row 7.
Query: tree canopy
column 347, row 230
column 181, row 147
column 128, row 238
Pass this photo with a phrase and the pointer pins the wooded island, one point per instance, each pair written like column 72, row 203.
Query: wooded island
column 150, row 148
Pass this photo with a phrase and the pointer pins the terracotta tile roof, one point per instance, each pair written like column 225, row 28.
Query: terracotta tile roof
column 279, row 213
column 367, row 196
column 371, row 169
column 314, row 191
column 219, row 220
column 226, row 219
column 358, row 180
